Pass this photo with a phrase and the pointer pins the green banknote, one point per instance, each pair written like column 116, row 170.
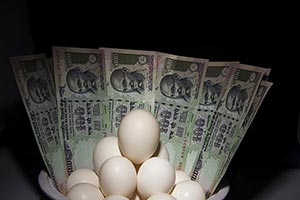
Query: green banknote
column 80, row 88
column 233, row 106
column 177, row 91
column 241, row 131
column 216, row 78
column 37, row 91
column 130, row 80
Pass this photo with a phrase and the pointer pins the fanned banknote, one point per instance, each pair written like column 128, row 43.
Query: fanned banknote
column 233, row 106
column 216, row 78
column 80, row 86
column 37, row 92
column 241, row 131
column 131, row 77
column 178, row 89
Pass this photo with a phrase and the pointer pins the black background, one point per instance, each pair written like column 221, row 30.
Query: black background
column 262, row 37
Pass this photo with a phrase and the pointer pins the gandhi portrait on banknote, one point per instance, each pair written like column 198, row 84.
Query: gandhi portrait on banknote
column 126, row 81
column 81, row 81
column 236, row 99
column 38, row 90
column 258, row 98
column 211, row 92
column 175, row 87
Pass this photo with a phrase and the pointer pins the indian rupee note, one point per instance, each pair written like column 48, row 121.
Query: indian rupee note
column 131, row 75
column 80, row 87
column 234, row 105
column 178, row 89
column 33, row 78
column 241, row 131
column 216, row 78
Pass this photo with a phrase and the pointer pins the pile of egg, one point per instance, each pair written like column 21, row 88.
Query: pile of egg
column 133, row 166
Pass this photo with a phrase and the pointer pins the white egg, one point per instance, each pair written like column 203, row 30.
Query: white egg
column 161, row 196
column 116, row 197
column 82, row 176
column 117, row 176
column 188, row 190
column 161, row 152
column 155, row 175
column 106, row 148
column 84, row 191
column 138, row 135
column 181, row 176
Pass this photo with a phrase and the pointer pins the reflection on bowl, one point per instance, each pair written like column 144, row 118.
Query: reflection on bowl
column 48, row 188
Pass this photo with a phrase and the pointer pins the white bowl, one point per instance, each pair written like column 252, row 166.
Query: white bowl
column 48, row 188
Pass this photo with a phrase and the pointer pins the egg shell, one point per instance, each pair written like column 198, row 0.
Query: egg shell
column 188, row 190
column 117, row 176
column 161, row 151
column 82, row 176
column 181, row 176
column 85, row 191
column 161, row 196
column 155, row 175
column 138, row 135
column 116, row 197
column 107, row 147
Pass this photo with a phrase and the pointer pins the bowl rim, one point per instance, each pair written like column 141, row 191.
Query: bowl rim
column 48, row 188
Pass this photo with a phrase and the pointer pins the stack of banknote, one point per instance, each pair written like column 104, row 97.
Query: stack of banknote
column 81, row 95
